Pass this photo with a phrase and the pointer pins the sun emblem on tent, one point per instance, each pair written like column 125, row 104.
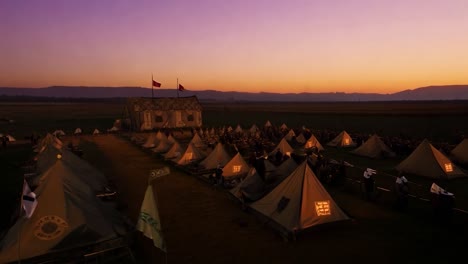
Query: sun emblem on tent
column 50, row 227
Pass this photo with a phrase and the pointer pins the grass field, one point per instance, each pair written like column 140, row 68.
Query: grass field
column 438, row 121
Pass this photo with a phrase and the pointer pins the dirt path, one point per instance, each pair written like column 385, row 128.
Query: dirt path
column 203, row 225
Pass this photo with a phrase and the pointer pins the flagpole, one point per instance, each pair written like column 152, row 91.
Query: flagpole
column 177, row 87
column 152, row 92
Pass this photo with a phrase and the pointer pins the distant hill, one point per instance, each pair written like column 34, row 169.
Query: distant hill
column 452, row 92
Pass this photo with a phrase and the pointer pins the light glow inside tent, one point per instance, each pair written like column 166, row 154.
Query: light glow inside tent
column 322, row 208
column 309, row 144
column 288, row 153
column 189, row 155
column 236, row 168
column 59, row 156
column 346, row 141
column 448, row 167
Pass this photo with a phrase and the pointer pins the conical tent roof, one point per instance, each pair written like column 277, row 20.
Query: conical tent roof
column 429, row 162
column 342, row 140
column 268, row 123
column 49, row 139
column 238, row 129
column 236, row 167
column 252, row 187
column 151, row 141
column 58, row 133
column 163, row 146
column 96, row 131
column 374, row 148
column 217, row 156
column 283, row 126
column 301, row 139
column 284, row 147
column 174, row 152
column 290, row 135
column 67, row 215
column 299, row 202
column 197, row 141
column 191, row 154
column 460, row 152
column 253, row 129
column 313, row 142
column 78, row 131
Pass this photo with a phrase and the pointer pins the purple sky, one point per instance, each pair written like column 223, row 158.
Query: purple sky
column 282, row 46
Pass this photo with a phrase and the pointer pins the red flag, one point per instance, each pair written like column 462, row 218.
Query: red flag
column 156, row 84
column 181, row 88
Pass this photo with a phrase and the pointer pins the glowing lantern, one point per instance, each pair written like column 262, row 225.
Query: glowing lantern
column 59, row 156
column 448, row 167
column 322, row 208
column 236, row 168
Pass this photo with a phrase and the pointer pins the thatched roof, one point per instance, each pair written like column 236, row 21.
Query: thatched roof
column 164, row 103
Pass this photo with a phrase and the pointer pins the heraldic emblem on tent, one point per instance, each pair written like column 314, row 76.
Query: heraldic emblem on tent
column 148, row 221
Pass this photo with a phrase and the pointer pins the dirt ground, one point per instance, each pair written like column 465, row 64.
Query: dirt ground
column 202, row 224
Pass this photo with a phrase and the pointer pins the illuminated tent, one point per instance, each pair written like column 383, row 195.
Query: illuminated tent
column 374, row 148
column 342, row 140
column 217, row 156
column 252, row 187
column 290, row 135
column 49, row 139
column 96, row 131
column 313, row 142
column 175, row 152
column 284, row 147
column 283, row 126
column 301, row 139
column 236, row 167
column 268, row 123
column 68, row 215
column 9, row 137
column 429, row 162
column 191, row 154
column 460, row 152
column 299, row 202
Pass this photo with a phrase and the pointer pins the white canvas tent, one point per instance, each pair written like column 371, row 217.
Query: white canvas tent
column 58, row 133
column 301, row 139
column 429, row 162
column 236, row 167
column 460, row 152
column 96, row 131
column 289, row 136
column 282, row 171
column 268, row 124
column 252, row 187
column 78, row 131
column 174, row 152
column 299, row 202
column 374, row 148
column 67, row 215
column 191, row 154
column 284, row 147
column 218, row 156
column 342, row 140
column 197, row 141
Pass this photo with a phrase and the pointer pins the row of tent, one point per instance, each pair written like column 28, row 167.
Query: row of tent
column 68, row 213
column 290, row 195
column 79, row 131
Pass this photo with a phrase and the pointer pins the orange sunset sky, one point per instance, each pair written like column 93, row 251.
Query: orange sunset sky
column 254, row 45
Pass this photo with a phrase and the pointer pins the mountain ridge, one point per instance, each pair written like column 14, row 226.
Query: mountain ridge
column 428, row 93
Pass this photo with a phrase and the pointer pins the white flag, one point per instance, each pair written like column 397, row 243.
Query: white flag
column 29, row 200
column 148, row 220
